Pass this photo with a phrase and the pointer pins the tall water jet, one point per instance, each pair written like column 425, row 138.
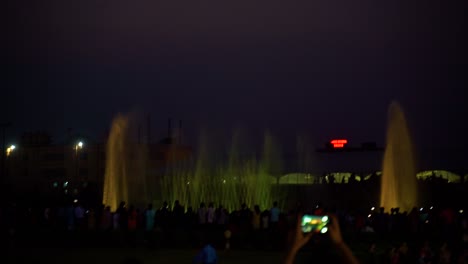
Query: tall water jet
column 398, row 183
column 242, row 178
column 269, row 171
column 125, row 174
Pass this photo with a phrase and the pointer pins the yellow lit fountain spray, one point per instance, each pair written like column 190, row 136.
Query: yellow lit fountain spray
column 125, row 175
column 398, row 184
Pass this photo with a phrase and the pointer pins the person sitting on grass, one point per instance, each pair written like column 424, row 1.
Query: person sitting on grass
column 300, row 239
column 207, row 255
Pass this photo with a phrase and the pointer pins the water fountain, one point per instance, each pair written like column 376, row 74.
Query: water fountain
column 239, row 179
column 398, row 183
column 125, row 174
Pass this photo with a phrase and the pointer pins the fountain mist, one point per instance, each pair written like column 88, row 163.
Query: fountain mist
column 239, row 179
column 398, row 184
column 125, row 175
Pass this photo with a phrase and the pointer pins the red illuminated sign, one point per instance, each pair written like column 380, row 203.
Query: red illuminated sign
column 338, row 143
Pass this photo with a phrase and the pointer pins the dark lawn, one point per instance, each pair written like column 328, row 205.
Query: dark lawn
column 45, row 248
column 119, row 255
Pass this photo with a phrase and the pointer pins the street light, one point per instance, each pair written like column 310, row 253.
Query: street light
column 78, row 146
column 3, row 128
column 10, row 149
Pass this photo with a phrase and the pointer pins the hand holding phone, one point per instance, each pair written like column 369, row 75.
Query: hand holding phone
column 315, row 223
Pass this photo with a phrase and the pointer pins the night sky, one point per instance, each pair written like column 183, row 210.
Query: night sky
column 322, row 68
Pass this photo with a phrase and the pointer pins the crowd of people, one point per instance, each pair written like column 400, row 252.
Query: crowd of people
column 244, row 228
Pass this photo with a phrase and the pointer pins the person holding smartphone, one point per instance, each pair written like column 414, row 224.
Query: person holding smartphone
column 300, row 239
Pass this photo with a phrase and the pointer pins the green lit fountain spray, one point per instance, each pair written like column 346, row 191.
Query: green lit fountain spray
column 242, row 179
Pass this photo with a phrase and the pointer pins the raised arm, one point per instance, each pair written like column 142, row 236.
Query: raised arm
column 299, row 240
column 335, row 235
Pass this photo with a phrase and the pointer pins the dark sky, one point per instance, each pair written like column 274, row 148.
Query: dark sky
column 323, row 68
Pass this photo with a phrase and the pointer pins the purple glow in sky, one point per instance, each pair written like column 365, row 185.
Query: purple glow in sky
column 323, row 68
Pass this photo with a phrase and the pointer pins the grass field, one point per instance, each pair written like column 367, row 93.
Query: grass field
column 121, row 255
column 45, row 248
column 318, row 253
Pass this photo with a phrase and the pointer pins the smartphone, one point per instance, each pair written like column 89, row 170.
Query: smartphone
column 315, row 223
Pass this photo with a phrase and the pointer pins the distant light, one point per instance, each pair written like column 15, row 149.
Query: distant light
column 316, row 206
column 10, row 149
column 339, row 143
column 420, row 209
column 224, row 181
column 461, row 211
column 432, row 207
column 369, row 216
column 79, row 145
column 55, row 184
column 65, row 184
column 324, row 230
column 427, row 222
column 188, row 183
column 325, row 219
column 75, row 201
column 373, row 208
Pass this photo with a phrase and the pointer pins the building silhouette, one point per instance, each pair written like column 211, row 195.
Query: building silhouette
column 38, row 165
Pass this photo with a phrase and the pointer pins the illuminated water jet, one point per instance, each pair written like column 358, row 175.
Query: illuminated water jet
column 239, row 179
column 126, row 161
column 398, row 184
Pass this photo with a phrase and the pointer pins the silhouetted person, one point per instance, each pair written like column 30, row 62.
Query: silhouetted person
column 207, row 255
column 372, row 255
column 123, row 216
column 191, row 218
column 210, row 213
column 132, row 218
column 244, row 217
column 256, row 218
column 106, row 218
column 274, row 215
column 149, row 218
column 426, row 255
column 202, row 214
column 256, row 223
column 163, row 214
column 334, row 233
column 79, row 216
column 178, row 213
column 221, row 216
column 149, row 224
